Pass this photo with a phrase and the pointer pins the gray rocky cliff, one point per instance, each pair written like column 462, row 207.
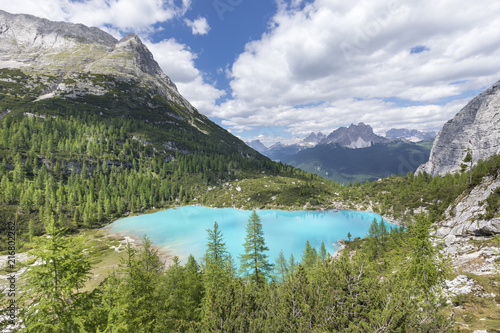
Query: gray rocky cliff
column 465, row 217
column 476, row 128
column 466, row 234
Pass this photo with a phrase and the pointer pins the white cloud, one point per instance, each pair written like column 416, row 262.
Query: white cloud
column 177, row 61
column 339, row 61
column 123, row 15
column 199, row 26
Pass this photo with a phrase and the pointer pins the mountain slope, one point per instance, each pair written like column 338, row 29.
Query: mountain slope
column 475, row 128
column 56, row 68
column 371, row 163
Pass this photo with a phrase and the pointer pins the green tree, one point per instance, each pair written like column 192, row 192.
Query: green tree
column 426, row 267
column 281, row 268
column 254, row 263
column 193, row 289
column 217, row 272
column 309, row 256
column 134, row 297
column 51, row 295
column 468, row 159
column 323, row 254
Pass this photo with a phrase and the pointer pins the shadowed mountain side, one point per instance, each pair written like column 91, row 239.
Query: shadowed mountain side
column 363, row 164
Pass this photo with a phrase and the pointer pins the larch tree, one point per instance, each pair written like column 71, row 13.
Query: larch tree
column 426, row 266
column 52, row 291
column 254, row 262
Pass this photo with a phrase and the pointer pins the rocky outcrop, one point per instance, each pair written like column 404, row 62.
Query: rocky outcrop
column 465, row 217
column 466, row 235
column 475, row 128
column 463, row 285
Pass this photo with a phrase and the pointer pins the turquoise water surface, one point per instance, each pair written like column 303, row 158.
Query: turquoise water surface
column 182, row 231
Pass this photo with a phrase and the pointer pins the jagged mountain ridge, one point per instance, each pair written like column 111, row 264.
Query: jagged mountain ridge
column 350, row 154
column 354, row 137
column 278, row 151
column 257, row 145
column 347, row 165
column 313, row 138
column 475, row 128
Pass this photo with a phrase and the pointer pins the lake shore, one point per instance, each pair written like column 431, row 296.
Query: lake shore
column 181, row 230
column 165, row 256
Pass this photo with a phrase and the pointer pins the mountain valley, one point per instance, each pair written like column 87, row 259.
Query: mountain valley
column 92, row 130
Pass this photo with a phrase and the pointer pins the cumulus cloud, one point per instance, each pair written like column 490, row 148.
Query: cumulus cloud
column 327, row 63
column 199, row 26
column 177, row 61
column 121, row 15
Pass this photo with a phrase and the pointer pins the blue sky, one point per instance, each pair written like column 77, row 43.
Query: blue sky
column 279, row 69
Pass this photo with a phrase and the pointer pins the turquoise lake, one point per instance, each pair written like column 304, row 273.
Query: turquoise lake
column 182, row 231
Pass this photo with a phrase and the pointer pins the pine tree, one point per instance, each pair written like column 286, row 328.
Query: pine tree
column 216, row 254
column 254, row 264
column 193, row 289
column 135, row 296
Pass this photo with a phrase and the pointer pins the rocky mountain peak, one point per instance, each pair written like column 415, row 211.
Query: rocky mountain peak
column 257, row 145
column 34, row 33
column 354, row 136
column 476, row 128
column 313, row 138
column 64, row 52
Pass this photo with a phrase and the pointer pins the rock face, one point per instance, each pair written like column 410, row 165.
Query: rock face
column 463, row 223
column 63, row 51
column 465, row 217
column 475, row 127
column 354, row 136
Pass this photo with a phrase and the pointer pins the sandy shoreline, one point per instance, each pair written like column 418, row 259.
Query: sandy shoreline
column 165, row 255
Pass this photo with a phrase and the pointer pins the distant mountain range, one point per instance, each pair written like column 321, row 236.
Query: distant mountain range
column 354, row 153
column 410, row 135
